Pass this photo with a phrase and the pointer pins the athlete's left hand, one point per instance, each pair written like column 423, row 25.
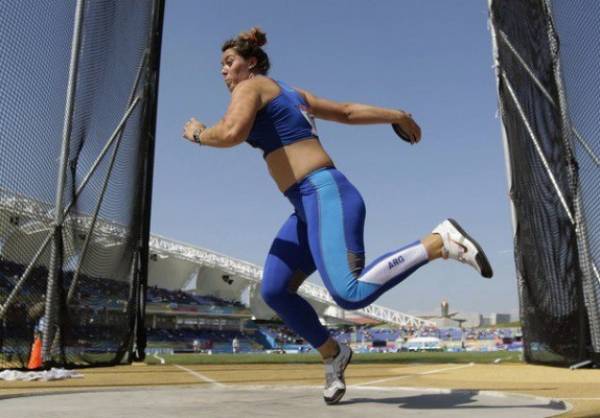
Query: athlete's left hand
column 193, row 128
column 407, row 129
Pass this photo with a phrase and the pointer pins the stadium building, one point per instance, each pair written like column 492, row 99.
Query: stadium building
column 194, row 295
column 195, row 288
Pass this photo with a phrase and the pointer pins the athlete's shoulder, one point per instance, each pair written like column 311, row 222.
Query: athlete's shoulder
column 260, row 84
column 306, row 95
column 251, row 84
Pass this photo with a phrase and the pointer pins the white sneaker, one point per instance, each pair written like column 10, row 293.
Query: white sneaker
column 335, row 384
column 458, row 245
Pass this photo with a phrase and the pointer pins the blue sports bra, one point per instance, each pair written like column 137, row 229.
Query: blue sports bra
column 284, row 120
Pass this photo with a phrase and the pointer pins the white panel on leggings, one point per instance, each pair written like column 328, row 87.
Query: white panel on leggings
column 395, row 264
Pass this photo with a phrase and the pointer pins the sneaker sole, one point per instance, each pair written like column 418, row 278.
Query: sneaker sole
column 480, row 257
column 337, row 397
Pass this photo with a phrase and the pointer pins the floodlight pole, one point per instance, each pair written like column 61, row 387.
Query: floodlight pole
column 57, row 244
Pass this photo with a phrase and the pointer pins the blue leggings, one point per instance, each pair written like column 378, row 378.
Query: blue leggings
column 325, row 233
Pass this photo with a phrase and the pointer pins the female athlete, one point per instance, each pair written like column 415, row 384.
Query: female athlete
column 325, row 230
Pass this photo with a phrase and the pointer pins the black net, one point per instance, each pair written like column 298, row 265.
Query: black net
column 577, row 24
column 70, row 283
column 542, row 184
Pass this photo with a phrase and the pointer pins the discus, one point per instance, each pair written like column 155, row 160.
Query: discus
column 402, row 133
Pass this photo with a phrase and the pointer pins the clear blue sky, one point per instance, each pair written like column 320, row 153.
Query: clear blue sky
column 432, row 58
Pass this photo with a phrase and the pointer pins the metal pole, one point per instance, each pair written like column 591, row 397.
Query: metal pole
column 56, row 255
column 15, row 291
column 141, row 279
column 104, row 151
column 66, row 210
column 104, row 186
column 538, row 149
column 538, row 83
column 505, row 145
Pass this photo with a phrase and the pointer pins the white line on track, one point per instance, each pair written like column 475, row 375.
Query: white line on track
column 200, row 376
column 156, row 356
column 414, row 374
column 581, row 399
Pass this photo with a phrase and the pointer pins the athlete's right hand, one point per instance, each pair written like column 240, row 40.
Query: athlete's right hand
column 407, row 129
column 192, row 130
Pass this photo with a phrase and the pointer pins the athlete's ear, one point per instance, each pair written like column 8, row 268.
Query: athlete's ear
column 252, row 61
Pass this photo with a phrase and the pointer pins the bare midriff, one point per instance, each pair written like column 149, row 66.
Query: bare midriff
column 291, row 163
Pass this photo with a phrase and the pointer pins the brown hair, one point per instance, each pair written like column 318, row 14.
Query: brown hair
column 248, row 44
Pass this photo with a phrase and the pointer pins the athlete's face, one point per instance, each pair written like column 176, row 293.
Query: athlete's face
column 234, row 68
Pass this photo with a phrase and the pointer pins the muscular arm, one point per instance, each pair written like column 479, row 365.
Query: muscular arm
column 358, row 114
column 235, row 126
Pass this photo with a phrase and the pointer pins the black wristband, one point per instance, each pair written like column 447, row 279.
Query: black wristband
column 196, row 136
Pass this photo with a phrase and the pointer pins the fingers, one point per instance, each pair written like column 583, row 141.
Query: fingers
column 191, row 127
column 188, row 128
column 416, row 133
column 412, row 131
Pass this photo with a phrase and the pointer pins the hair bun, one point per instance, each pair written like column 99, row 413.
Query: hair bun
column 255, row 36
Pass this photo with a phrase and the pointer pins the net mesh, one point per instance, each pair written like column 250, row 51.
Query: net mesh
column 577, row 24
column 542, row 184
column 82, row 302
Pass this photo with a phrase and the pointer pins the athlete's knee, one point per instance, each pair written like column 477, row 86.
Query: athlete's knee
column 296, row 281
column 347, row 302
column 349, row 305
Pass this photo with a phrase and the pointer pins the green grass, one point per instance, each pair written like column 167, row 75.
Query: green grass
column 481, row 358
